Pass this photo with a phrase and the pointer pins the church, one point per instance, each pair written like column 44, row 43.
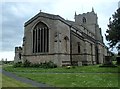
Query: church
column 49, row 37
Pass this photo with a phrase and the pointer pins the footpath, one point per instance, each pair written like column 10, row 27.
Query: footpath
column 28, row 81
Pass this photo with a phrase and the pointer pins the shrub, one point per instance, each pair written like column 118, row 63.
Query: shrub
column 18, row 64
column 108, row 65
column 49, row 64
column 26, row 63
column 35, row 65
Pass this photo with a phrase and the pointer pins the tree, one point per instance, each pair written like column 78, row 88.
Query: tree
column 113, row 31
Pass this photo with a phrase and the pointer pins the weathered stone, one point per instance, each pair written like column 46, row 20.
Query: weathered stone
column 49, row 37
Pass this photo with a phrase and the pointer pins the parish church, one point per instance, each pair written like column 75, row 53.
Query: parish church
column 49, row 37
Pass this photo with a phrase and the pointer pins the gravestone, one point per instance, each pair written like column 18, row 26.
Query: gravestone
column 79, row 63
column 108, row 60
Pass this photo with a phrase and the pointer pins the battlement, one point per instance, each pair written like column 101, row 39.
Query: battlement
column 18, row 49
column 88, row 18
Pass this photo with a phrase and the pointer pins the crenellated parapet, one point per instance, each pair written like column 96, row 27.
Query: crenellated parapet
column 18, row 54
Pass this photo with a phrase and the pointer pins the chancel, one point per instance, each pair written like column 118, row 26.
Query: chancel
column 49, row 37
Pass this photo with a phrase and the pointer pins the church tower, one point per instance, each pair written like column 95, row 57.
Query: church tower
column 89, row 20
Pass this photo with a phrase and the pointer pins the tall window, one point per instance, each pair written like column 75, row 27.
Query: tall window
column 66, row 44
column 78, row 47
column 40, row 38
column 84, row 20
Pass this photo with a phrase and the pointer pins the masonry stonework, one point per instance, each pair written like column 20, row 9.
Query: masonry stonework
column 49, row 37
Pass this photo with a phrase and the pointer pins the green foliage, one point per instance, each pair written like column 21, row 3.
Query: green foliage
column 18, row 64
column 49, row 64
column 26, row 63
column 36, row 65
column 108, row 65
column 113, row 33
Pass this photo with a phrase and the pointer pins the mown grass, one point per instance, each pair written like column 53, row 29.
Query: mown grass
column 84, row 76
column 82, row 69
column 75, row 80
column 10, row 82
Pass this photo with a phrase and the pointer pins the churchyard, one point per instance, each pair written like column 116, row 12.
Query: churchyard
column 83, row 76
column 10, row 82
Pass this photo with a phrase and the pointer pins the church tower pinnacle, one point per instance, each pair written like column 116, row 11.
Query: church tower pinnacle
column 92, row 9
column 75, row 13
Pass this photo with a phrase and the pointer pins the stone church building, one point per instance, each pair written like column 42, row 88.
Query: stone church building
column 49, row 37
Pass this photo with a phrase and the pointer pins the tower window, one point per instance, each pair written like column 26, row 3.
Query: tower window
column 84, row 20
column 40, row 38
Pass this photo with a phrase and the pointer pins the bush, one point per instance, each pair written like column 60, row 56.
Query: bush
column 108, row 65
column 26, row 63
column 35, row 65
column 49, row 64
column 19, row 64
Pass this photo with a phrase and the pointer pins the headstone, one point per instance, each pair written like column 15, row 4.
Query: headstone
column 79, row 63
column 108, row 60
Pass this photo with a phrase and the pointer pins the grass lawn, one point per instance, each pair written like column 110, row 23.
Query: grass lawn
column 82, row 69
column 84, row 76
column 10, row 82
column 75, row 80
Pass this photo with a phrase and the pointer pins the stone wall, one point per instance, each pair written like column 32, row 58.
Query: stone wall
column 59, row 42
column 18, row 54
column 67, row 42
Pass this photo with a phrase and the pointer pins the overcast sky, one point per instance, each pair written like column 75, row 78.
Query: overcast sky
column 15, row 14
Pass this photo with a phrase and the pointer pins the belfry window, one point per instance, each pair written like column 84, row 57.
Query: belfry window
column 40, row 38
column 84, row 20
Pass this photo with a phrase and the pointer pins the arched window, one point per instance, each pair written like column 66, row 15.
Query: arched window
column 66, row 42
column 84, row 20
column 40, row 38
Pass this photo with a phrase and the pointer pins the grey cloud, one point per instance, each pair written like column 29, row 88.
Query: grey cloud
column 14, row 15
column 12, row 28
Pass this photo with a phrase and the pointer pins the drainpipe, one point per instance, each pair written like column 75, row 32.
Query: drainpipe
column 70, row 47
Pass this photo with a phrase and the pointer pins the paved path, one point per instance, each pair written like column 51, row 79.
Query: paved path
column 28, row 81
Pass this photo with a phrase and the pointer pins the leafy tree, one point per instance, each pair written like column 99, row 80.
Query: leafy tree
column 113, row 31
